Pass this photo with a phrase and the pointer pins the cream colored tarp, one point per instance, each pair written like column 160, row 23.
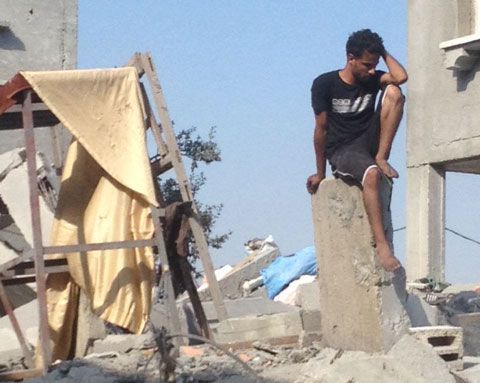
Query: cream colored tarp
column 103, row 109
column 105, row 194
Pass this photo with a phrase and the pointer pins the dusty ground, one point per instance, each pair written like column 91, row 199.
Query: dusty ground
column 407, row 362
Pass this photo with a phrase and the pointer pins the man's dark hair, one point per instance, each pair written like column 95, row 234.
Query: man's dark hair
column 365, row 40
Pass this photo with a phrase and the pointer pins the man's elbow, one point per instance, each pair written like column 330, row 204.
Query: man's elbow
column 400, row 79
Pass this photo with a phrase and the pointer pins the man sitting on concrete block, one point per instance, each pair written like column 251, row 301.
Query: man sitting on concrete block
column 355, row 137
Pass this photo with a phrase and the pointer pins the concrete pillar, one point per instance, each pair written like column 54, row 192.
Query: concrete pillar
column 425, row 243
column 362, row 306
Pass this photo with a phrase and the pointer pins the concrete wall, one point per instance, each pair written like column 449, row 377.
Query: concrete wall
column 443, row 126
column 36, row 35
column 41, row 35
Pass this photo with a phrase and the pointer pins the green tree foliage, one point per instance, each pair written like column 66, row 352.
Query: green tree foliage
column 200, row 151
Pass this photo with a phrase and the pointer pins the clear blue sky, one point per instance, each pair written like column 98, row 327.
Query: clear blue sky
column 246, row 67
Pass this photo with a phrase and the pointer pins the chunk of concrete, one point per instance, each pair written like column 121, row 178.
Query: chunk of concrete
column 470, row 323
column 308, row 296
column 27, row 316
column 362, row 306
column 247, row 306
column 253, row 328
column 408, row 361
column 13, row 171
column 423, row 314
column 249, row 268
column 421, row 359
column 470, row 375
column 123, row 343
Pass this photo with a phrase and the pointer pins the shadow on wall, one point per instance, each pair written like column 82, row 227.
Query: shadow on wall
column 464, row 77
column 10, row 42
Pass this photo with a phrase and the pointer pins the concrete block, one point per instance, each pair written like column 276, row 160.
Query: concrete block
column 247, row 306
column 362, row 306
column 309, row 296
column 122, row 343
column 306, row 339
column 470, row 323
column 447, row 341
column 266, row 327
column 423, row 314
column 311, row 320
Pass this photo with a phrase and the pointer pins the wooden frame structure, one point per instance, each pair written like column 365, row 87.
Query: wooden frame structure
column 23, row 270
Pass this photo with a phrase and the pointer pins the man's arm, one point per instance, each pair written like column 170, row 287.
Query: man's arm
column 396, row 74
column 319, row 139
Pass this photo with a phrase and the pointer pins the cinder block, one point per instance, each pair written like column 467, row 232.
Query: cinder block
column 246, row 307
column 309, row 296
column 249, row 329
column 447, row 341
column 311, row 320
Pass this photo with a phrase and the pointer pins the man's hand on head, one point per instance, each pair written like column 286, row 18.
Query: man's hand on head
column 312, row 183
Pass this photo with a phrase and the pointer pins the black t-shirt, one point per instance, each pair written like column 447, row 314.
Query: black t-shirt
column 349, row 108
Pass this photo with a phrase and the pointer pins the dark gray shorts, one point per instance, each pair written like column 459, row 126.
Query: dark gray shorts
column 352, row 160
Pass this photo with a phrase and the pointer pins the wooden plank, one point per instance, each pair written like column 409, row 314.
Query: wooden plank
column 20, row 375
column 136, row 63
column 182, row 179
column 7, row 306
column 28, row 273
column 155, row 128
column 98, row 246
column 172, row 311
column 160, row 166
column 15, row 261
column 56, row 135
column 27, row 117
column 194, row 298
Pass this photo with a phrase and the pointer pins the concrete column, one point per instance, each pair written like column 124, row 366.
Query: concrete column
column 425, row 243
column 361, row 305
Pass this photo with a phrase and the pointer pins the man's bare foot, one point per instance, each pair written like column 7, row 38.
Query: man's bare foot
column 386, row 257
column 386, row 168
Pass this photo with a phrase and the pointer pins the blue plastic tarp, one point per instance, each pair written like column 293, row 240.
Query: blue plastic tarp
column 286, row 269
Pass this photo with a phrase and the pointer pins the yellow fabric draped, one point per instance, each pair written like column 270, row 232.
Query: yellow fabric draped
column 105, row 196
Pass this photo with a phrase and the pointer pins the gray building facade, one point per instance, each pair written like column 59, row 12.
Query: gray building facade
column 443, row 129
column 36, row 35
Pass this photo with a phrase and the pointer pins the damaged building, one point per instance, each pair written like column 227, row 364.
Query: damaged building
column 121, row 303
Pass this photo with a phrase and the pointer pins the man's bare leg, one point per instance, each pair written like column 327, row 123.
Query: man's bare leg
column 390, row 116
column 373, row 207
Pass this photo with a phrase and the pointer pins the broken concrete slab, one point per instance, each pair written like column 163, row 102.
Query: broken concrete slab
column 249, row 268
column 421, row 359
column 308, row 296
column 247, row 306
column 421, row 313
column 470, row 375
column 470, row 323
column 14, row 172
column 408, row 361
column 122, row 343
column 248, row 329
column 27, row 316
column 362, row 306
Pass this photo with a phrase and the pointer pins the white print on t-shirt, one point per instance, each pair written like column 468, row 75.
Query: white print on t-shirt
column 344, row 105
